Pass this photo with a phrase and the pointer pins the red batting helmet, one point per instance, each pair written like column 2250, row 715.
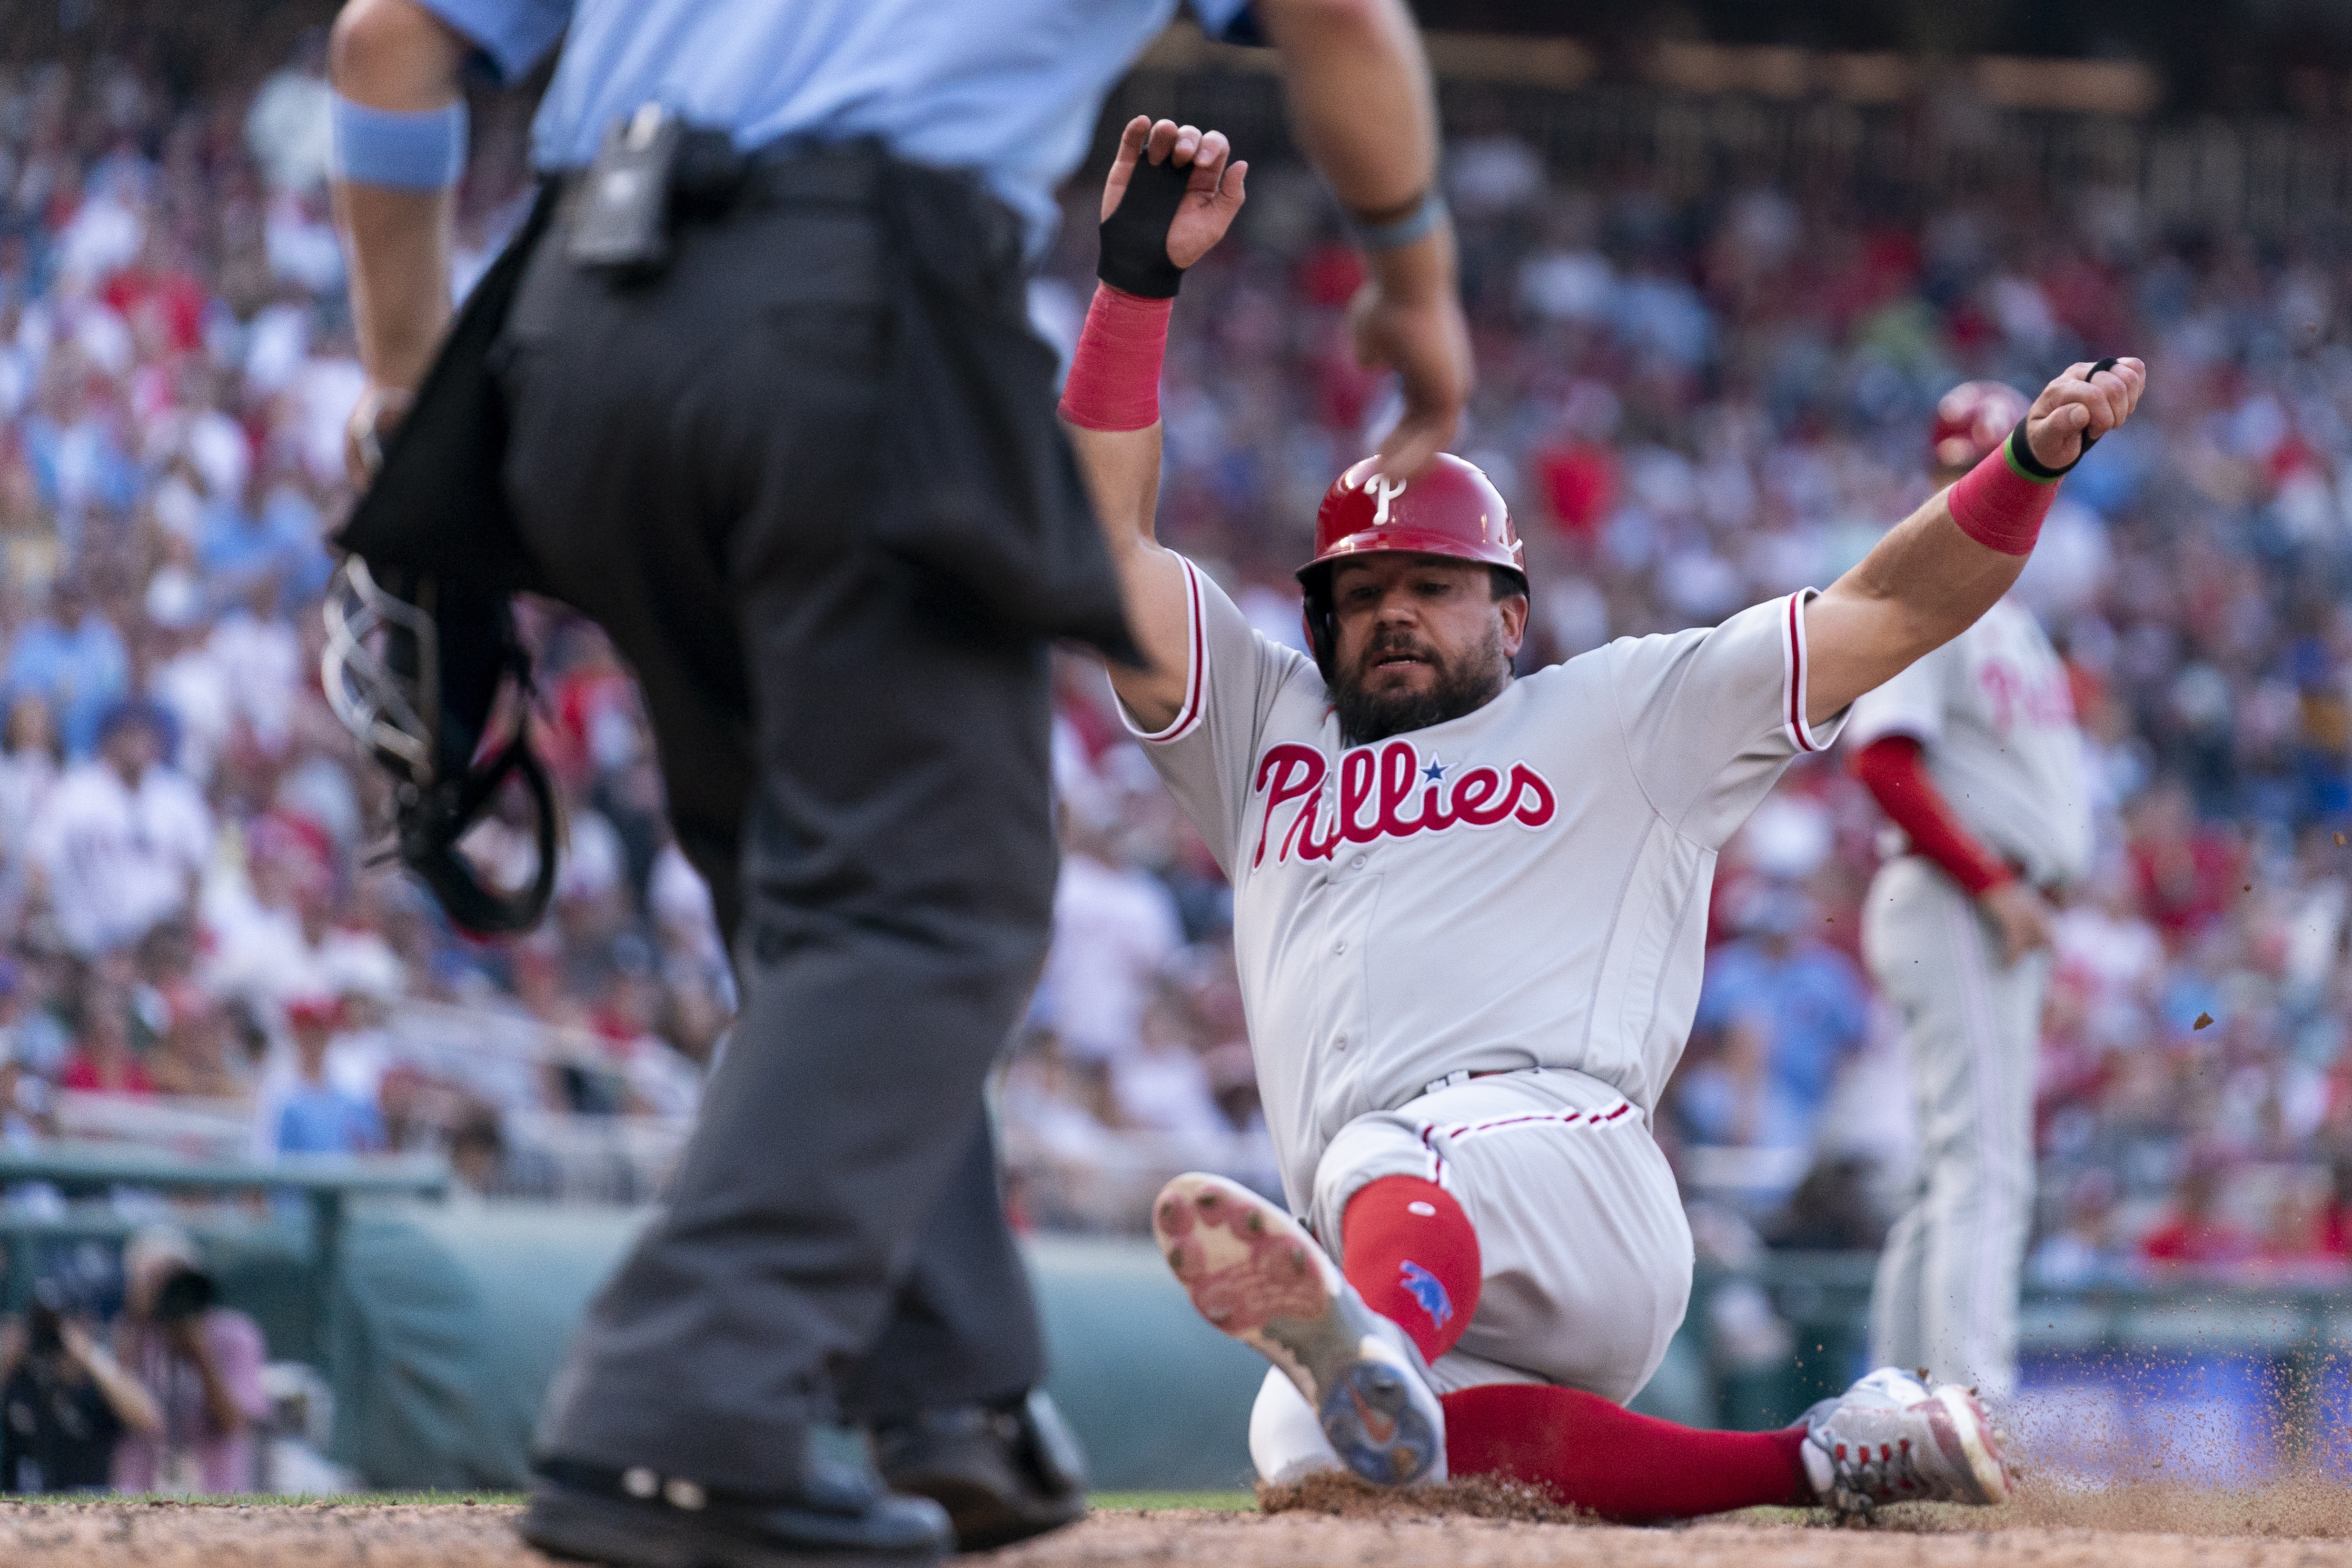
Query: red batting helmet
column 1972, row 420
column 1450, row 508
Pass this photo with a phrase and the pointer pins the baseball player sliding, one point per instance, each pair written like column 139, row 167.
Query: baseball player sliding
column 1973, row 754
column 1469, row 915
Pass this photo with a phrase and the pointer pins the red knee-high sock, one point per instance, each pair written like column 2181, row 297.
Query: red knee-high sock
column 1626, row 1468
column 1410, row 1252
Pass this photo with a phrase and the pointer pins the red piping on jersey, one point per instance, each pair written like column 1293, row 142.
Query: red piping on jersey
column 1797, row 676
column 1195, row 678
column 1196, row 682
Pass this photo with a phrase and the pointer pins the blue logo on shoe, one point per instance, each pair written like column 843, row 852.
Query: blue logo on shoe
column 1424, row 1288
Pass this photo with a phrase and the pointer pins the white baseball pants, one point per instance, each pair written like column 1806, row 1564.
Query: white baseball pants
column 1946, row 1295
column 1585, row 1254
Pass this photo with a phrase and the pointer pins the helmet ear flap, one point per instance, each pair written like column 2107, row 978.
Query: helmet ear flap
column 1315, row 615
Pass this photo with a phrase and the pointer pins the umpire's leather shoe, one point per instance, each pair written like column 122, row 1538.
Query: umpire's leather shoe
column 1002, row 1474
column 840, row 1517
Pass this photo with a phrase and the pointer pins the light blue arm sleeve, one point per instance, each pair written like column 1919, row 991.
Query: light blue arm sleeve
column 515, row 34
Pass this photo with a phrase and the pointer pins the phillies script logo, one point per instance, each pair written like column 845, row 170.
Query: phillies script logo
column 1388, row 794
column 2014, row 694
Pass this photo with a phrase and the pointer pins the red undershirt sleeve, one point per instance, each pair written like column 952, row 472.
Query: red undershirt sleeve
column 1894, row 771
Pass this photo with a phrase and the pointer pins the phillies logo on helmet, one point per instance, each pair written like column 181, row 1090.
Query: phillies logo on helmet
column 1386, row 792
column 1450, row 508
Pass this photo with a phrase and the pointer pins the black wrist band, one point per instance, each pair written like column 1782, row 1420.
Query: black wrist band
column 2020, row 450
column 2021, row 458
column 1135, row 236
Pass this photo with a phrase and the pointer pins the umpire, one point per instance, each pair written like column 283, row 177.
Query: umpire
column 754, row 390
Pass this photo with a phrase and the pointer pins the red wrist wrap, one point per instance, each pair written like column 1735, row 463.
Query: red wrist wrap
column 1114, row 382
column 2000, row 506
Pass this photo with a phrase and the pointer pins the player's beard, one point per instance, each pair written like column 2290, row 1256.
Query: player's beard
column 1463, row 685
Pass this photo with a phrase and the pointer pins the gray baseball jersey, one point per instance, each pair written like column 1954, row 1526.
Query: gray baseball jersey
column 1524, row 886
column 1993, row 714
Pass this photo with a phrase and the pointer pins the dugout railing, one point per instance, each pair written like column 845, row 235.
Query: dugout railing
column 65, row 1194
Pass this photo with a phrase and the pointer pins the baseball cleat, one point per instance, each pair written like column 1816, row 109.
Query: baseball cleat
column 1890, row 1439
column 1255, row 1272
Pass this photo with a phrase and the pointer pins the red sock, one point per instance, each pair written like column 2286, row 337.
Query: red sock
column 1628, row 1469
column 1410, row 1252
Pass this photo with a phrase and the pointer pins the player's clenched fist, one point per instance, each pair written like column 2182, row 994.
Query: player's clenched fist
column 2080, row 406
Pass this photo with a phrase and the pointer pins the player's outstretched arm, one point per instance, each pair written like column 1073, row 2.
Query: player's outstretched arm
column 1948, row 562
column 1172, row 195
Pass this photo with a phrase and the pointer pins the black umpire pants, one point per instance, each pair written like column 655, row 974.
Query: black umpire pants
column 693, row 463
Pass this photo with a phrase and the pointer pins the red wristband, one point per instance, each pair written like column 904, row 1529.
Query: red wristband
column 1114, row 382
column 2000, row 505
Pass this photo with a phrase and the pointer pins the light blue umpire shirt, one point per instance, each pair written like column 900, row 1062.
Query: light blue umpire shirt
column 1011, row 88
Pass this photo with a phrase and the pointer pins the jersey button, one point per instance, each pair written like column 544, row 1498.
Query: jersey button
column 1340, row 1043
column 1341, row 948
column 1356, row 864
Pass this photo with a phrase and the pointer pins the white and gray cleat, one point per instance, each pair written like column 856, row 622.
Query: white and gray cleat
column 1255, row 1272
column 1891, row 1438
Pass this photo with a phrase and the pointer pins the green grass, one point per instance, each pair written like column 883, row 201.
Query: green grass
column 1222, row 1502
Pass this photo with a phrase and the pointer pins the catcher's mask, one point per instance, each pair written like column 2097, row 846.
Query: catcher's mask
column 414, row 667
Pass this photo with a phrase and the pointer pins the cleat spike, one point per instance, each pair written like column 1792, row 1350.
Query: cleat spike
column 1889, row 1438
column 1272, row 1287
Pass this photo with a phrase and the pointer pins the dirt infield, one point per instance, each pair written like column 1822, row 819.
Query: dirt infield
column 2307, row 1526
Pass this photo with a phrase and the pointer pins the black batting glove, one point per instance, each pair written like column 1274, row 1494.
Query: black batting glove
column 1135, row 236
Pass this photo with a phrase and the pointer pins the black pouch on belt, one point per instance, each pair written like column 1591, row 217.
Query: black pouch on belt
column 983, row 499
column 651, row 169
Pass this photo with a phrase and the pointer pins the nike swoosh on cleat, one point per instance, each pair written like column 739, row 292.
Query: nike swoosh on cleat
column 1382, row 1429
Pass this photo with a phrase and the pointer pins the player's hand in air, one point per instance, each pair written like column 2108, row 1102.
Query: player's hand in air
column 1211, row 195
column 1408, row 318
column 2020, row 915
column 2079, row 405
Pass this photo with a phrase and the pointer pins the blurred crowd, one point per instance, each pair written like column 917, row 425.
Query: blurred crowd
column 190, row 909
column 1691, row 405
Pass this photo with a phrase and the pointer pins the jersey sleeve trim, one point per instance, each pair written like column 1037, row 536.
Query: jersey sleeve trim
column 1196, row 675
column 1794, row 670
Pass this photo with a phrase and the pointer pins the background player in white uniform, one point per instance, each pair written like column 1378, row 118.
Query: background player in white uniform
column 1973, row 754
column 1469, row 917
